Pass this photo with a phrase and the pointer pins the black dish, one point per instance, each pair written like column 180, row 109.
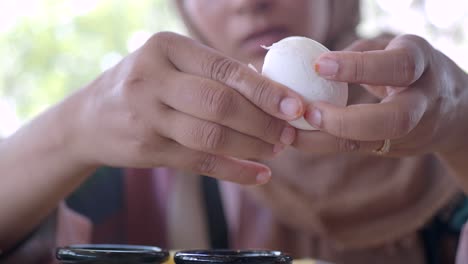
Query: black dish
column 231, row 257
column 110, row 254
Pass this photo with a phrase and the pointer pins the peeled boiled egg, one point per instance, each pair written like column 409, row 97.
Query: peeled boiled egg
column 290, row 62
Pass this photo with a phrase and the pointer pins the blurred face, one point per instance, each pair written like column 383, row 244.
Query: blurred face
column 238, row 28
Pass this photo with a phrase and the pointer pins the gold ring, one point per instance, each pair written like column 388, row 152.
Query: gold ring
column 384, row 149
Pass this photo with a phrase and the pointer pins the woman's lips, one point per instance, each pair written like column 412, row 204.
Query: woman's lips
column 254, row 42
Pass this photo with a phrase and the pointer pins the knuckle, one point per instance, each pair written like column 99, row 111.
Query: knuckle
column 135, row 77
column 132, row 90
column 212, row 136
column 206, row 164
column 220, row 102
column 414, row 39
column 407, row 69
column 340, row 126
column 263, row 95
column 161, row 38
column 402, row 124
column 415, row 50
column 142, row 140
column 133, row 83
column 163, row 41
column 359, row 62
column 222, row 69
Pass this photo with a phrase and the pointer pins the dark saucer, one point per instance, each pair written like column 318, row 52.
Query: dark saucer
column 109, row 253
column 231, row 257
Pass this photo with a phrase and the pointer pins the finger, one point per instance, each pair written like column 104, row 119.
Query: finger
column 213, row 101
column 220, row 167
column 323, row 143
column 393, row 118
column 400, row 64
column 213, row 138
column 378, row 43
column 194, row 58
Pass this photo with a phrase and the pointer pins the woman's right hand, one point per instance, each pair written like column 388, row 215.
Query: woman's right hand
column 177, row 103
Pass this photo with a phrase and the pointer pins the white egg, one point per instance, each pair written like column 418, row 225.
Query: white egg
column 290, row 62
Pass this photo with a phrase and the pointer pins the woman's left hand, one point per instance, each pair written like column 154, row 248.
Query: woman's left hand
column 423, row 108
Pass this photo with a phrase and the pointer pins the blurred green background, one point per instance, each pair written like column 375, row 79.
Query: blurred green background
column 48, row 48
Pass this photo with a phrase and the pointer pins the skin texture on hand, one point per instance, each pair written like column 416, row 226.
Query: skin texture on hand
column 423, row 104
column 172, row 103
column 420, row 98
column 180, row 104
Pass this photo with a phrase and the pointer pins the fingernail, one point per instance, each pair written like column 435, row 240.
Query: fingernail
column 263, row 177
column 290, row 107
column 278, row 148
column 326, row 67
column 288, row 135
column 314, row 117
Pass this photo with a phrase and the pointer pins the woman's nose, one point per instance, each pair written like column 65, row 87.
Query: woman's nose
column 251, row 6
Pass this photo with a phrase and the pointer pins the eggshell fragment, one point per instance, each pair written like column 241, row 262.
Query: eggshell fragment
column 290, row 62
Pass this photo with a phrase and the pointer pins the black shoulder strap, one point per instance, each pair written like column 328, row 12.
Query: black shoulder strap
column 106, row 185
column 216, row 220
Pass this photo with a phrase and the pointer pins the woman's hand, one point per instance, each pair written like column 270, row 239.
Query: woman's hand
column 177, row 103
column 423, row 104
column 172, row 103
